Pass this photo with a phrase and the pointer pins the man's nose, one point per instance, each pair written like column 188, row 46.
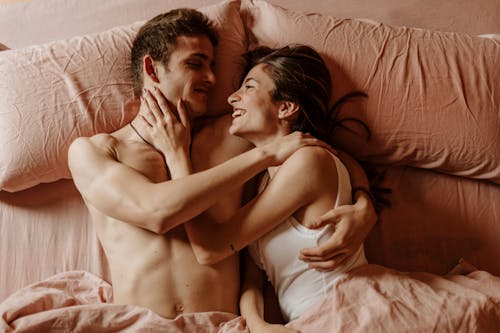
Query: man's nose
column 210, row 77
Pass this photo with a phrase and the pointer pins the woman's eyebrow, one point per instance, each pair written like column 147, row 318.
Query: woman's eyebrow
column 250, row 79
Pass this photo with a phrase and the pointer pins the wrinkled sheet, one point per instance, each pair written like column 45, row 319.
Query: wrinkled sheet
column 377, row 299
column 79, row 301
column 369, row 299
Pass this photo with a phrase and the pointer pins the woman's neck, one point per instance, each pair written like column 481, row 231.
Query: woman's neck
column 263, row 139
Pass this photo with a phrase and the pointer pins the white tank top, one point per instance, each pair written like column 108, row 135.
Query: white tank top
column 277, row 252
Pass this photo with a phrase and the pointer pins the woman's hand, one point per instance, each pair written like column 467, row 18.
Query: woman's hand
column 352, row 225
column 169, row 133
column 282, row 148
column 273, row 328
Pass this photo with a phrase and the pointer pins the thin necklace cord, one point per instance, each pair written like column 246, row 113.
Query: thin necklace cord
column 137, row 132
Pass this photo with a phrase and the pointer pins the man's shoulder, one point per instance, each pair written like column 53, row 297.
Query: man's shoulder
column 97, row 140
column 102, row 142
column 103, row 139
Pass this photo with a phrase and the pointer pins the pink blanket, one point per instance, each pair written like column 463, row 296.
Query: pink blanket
column 78, row 301
column 370, row 299
column 377, row 299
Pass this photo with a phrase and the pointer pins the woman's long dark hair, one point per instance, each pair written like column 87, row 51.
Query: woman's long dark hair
column 300, row 75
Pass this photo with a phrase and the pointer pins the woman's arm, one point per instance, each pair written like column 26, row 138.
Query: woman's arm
column 252, row 300
column 123, row 193
column 297, row 183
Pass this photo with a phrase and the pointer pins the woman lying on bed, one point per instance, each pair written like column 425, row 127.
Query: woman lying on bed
column 285, row 90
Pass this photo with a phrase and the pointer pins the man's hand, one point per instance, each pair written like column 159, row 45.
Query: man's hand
column 169, row 133
column 281, row 149
column 352, row 224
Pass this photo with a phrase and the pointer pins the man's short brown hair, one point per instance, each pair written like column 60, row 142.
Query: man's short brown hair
column 158, row 38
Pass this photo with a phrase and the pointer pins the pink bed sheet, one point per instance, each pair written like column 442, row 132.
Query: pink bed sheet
column 79, row 301
column 373, row 298
column 46, row 230
column 369, row 299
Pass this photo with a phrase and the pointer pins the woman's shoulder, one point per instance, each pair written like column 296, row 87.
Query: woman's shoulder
column 313, row 160
column 312, row 154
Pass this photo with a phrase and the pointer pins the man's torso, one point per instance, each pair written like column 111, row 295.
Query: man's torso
column 160, row 272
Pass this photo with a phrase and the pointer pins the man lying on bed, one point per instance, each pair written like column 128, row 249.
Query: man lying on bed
column 139, row 207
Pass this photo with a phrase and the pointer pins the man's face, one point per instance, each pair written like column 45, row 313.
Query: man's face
column 189, row 74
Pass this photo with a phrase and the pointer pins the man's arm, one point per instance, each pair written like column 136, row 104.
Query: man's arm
column 123, row 193
column 352, row 223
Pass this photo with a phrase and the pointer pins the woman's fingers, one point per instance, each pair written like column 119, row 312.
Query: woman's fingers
column 164, row 106
column 146, row 120
column 183, row 114
column 152, row 106
column 145, row 111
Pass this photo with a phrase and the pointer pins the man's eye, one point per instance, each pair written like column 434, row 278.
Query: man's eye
column 195, row 65
column 248, row 86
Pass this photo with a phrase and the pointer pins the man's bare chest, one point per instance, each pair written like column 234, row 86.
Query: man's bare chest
column 144, row 159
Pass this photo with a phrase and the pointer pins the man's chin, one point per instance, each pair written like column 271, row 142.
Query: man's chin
column 196, row 110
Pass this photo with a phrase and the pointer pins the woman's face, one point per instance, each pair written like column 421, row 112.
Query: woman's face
column 255, row 114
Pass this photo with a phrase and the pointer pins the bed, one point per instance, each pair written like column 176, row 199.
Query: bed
column 432, row 73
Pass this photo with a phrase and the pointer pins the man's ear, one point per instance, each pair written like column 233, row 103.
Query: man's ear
column 149, row 67
column 287, row 109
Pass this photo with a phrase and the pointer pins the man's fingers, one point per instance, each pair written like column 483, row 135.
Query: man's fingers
column 324, row 257
column 330, row 217
column 328, row 249
column 330, row 264
column 309, row 140
column 320, row 143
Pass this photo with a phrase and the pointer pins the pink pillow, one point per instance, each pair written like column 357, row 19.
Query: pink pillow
column 53, row 93
column 434, row 97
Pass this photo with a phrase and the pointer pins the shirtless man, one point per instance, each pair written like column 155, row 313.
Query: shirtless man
column 138, row 206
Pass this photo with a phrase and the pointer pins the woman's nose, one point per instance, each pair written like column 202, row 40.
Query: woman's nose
column 233, row 98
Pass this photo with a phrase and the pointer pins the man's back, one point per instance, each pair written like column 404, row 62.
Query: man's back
column 160, row 272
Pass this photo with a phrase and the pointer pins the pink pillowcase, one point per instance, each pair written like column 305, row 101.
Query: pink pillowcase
column 434, row 97
column 53, row 93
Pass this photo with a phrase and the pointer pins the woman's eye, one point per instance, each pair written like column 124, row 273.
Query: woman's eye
column 248, row 86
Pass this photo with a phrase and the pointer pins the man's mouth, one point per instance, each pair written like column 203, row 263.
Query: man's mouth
column 203, row 91
column 201, row 94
